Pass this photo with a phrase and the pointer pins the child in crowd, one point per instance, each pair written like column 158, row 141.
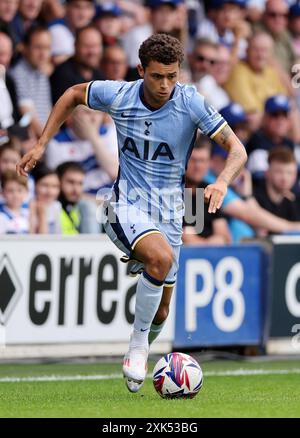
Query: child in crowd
column 14, row 217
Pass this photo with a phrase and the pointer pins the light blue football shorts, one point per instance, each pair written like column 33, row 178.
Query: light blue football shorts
column 126, row 225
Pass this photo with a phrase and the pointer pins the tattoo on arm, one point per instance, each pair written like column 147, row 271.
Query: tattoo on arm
column 236, row 154
column 225, row 134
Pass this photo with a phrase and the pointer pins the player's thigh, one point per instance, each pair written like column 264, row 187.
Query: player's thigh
column 127, row 226
column 154, row 248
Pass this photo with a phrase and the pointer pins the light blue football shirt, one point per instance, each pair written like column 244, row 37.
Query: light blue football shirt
column 154, row 144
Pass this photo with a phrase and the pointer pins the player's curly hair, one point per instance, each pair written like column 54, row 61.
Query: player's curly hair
column 162, row 48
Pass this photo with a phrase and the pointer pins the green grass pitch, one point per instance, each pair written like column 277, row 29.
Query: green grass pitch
column 231, row 389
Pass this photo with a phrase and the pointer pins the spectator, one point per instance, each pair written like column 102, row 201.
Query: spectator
column 26, row 17
column 236, row 117
column 276, row 195
column 164, row 16
column 227, row 26
column 52, row 10
column 273, row 132
column 9, row 112
column 163, row 19
column 221, row 70
column 108, row 22
column 77, row 215
column 275, row 22
column 244, row 213
column 294, row 27
column 114, row 63
column 8, row 9
column 83, row 66
column 79, row 14
column 46, row 208
column 9, row 156
column 202, row 62
column 81, row 141
column 254, row 80
column 31, row 77
column 215, row 230
column 14, row 218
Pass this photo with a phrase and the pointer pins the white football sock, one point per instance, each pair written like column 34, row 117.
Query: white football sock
column 155, row 330
column 148, row 296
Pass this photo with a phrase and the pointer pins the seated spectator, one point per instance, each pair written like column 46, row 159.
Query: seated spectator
column 10, row 154
column 26, row 17
column 236, row 117
column 8, row 9
column 276, row 194
column 108, row 21
column 254, row 80
column 52, row 10
column 202, row 61
column 79, row 14
column 163, row 18
column 226, row 25
column 83, row 66
column 46, row 208
column 243, row 211
column 14, row 218
column 274, row 131
column 81, row 141
column 221, row 70
column 294, row 27
column 215, row 230
column 31, row 77
column 275, row 22
column 77, row 215
column 114, row 63
column 9, row 113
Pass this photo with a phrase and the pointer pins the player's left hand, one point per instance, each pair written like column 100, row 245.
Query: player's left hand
column 214, row 194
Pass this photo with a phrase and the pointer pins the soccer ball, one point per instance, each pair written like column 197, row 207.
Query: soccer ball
column 177, row 375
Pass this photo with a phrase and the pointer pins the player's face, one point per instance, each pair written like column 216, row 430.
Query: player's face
column 14, row 194
column 159, row 82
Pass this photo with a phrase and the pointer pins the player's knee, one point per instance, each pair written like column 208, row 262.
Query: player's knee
column 160, row 263
column 161, row 314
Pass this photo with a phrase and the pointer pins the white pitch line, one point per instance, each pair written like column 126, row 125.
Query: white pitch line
column 228, row 373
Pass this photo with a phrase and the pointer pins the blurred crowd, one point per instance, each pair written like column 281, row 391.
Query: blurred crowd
column 242, row 55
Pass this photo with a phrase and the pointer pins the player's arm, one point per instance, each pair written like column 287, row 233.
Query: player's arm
column 74, row 96
column 236, row 159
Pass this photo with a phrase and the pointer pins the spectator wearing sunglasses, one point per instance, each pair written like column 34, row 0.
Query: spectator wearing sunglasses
column 275, row 22
column 274, row 132
column 254, row 80
column 202, row 62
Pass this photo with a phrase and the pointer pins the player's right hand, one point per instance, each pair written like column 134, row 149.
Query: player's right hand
column 28, row 162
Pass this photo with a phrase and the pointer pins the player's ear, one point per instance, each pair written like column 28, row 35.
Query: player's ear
column 141, row 70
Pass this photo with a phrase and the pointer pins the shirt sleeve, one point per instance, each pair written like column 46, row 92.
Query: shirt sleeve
column 205, row 116
column 101, row 94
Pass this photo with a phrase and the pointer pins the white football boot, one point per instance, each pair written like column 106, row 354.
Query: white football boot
column 135, row 367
